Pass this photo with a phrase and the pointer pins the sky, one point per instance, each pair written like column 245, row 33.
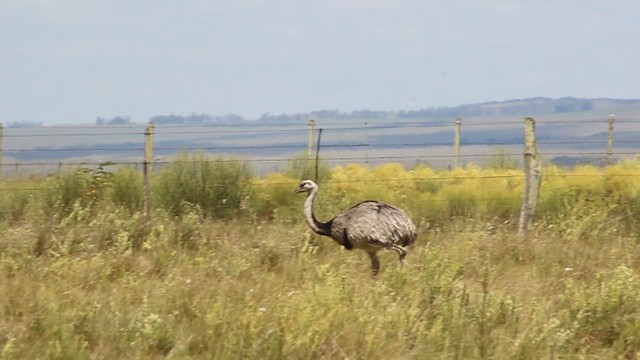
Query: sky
column 71, row 61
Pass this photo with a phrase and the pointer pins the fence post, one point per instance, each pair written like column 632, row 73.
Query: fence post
column 532, row 179
column 312, row 124
column 1, row 137
column 612, row 119
column 456, row 144
column 148, row 146
column 146, row 171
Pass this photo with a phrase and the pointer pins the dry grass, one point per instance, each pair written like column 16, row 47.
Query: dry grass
column 275, row 291
column 82, row 286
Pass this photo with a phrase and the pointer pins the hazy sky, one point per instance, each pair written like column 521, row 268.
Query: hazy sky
column 71, row 61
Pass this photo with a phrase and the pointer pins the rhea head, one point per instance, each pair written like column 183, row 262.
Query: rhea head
column 306, row 186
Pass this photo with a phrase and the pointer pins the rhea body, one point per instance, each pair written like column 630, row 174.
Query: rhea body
column 370, row 226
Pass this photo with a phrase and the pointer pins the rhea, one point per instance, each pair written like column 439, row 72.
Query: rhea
column 370, row 226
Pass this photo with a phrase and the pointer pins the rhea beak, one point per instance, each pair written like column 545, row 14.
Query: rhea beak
column 299, row 190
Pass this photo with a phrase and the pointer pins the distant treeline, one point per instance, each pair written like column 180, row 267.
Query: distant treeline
column 522, row 107
column 23, row 124
column 519, row 107
column 118, row 120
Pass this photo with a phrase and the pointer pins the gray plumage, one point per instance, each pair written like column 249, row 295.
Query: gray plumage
column 370, row 225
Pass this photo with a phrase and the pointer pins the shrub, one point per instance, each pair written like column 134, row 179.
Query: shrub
column 84, row 187
column 127, row 188
column 217, row 186
column 13, row 204
column 70, row 188
column 273, row 198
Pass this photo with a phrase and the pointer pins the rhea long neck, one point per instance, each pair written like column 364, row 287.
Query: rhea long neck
column 315, row 225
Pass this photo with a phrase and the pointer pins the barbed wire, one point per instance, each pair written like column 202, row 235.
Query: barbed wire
column 330, row 145
column 76, row 152
column 402, row 158
column 415, row 180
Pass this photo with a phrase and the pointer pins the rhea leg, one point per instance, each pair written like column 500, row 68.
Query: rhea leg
column 375, row 263
column 401, row 252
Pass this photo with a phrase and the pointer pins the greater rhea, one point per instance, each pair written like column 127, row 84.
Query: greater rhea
column 370, row 225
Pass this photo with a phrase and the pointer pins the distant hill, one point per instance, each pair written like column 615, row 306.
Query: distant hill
column 521, row 107
column 515, row 107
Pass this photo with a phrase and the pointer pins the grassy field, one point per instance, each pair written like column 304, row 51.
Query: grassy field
column 229, row 270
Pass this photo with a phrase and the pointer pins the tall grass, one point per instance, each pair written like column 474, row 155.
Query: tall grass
column 249, row 280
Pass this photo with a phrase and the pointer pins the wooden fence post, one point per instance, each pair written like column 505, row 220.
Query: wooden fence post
column 146, row 170
column 532, row 179
column 612, row 119
column 1, row 137
column 456, row 144
column 312, row 124
column 148, row 146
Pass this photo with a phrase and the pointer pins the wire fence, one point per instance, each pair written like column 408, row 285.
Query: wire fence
column 50, row 149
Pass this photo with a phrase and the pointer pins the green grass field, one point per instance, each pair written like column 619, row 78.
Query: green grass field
column 245, row 278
